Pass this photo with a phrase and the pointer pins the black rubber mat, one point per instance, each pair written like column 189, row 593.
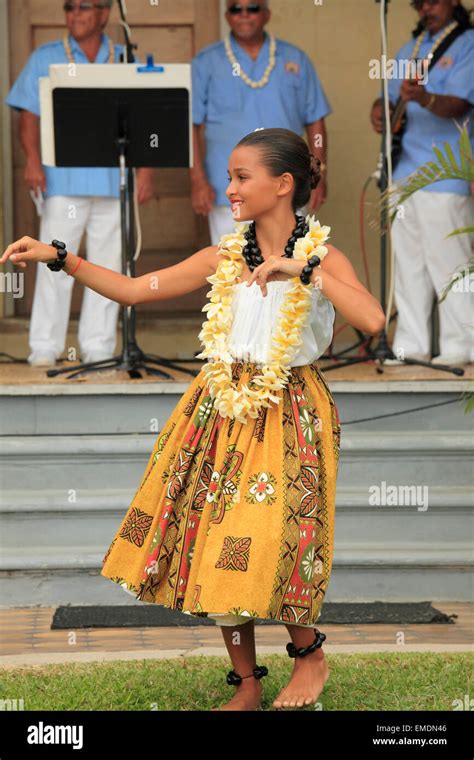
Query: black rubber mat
column 148, row 615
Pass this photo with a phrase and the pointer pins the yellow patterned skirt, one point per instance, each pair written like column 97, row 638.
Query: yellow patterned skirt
column 236, row 518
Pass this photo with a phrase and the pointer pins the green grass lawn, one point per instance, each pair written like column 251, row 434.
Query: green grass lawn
column 385, row 681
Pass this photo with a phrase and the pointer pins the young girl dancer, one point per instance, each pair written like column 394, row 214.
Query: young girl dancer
column 234, row 516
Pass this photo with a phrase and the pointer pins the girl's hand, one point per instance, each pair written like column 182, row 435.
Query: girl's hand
column 293, row 267
column 28, row 249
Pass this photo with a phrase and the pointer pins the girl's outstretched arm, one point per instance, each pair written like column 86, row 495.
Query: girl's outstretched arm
column 177, row 280
column 170, row 282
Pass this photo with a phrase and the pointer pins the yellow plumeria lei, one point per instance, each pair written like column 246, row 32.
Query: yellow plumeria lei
column 230, row 401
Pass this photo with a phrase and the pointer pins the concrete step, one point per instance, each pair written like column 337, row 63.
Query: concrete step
column 82, row 408
column 52, row 548
column 353, row 579
column 88, row 557
column 75, row 463
column 52, row 519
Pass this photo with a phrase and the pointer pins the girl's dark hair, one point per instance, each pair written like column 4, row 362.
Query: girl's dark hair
column 284, row 151
column 460, row 14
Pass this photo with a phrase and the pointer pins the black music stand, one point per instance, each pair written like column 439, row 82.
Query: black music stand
column 130, row 127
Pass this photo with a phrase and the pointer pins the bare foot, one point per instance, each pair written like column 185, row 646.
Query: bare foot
column 247, row 696
column 310, row 673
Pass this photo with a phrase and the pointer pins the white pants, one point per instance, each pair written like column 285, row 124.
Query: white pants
column 67, row 218
column 222, row 222
column 424, row 261
column 233, row 620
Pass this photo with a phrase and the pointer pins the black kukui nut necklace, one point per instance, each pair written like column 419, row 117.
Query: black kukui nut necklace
column 254, row 258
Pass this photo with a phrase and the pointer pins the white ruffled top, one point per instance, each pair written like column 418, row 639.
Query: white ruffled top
column 255, row 317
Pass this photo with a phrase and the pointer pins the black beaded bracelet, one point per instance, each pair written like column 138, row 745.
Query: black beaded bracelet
column 60, row 262
column 307, row 270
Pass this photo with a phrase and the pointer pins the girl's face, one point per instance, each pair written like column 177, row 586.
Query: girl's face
column 251, row 189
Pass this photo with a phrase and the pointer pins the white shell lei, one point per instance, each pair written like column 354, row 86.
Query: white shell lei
column 244, row 77
column 70, row 57
column 247, row 401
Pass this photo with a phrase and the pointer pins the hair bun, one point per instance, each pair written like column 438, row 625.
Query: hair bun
column 315, row 171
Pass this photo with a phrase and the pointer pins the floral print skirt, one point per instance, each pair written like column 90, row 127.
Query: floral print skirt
column 236, row 518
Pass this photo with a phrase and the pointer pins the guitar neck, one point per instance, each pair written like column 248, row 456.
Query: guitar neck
column 397, row 115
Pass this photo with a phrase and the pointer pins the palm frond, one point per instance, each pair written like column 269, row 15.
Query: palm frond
column 469, row 403
column 446, row 167
column 461, row 231
column 466, row 271
column 465, row 151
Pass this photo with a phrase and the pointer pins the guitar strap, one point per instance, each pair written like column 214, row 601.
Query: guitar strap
column 457, row 31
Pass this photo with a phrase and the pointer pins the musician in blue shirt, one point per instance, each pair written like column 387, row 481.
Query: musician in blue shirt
column 425, row 259
column 249, row 81
column 74, row 200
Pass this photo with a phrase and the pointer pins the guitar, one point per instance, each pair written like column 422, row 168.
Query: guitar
column 399, row 118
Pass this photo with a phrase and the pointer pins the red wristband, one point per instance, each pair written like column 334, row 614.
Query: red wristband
column 75, row 270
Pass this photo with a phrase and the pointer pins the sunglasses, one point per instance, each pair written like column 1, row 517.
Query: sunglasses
column 84, row 6
column 237, row 9
column 418, row 4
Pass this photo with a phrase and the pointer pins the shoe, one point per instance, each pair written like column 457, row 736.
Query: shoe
column 95, row 356
column 233, row 679
column 415, row 357
column 42, row 359
column 451, row 359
